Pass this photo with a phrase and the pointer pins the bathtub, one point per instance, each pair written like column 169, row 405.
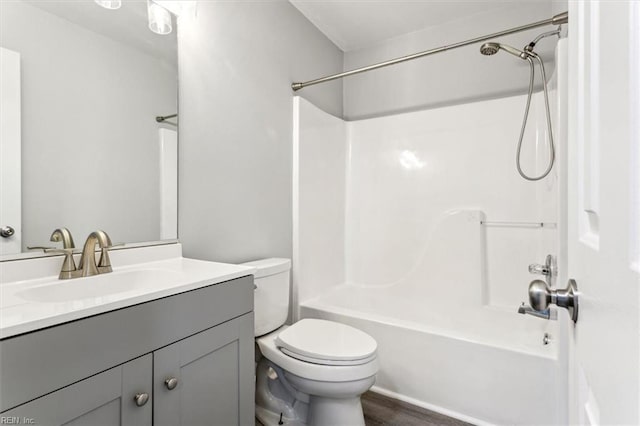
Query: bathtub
column 482, row 365
column 416, row 229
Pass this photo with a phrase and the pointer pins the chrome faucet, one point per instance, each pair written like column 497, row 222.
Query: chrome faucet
column 88, row 265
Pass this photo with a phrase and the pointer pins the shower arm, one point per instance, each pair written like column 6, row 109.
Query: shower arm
column 559, row 19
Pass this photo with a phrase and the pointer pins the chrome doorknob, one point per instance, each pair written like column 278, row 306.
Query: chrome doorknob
column 141, row 399
column 171, row 383
column 541, row 296
column 7, row 232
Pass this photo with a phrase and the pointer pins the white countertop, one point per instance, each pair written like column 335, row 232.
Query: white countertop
column 34, row 304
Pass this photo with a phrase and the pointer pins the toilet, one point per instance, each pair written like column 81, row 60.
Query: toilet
column 312, row 372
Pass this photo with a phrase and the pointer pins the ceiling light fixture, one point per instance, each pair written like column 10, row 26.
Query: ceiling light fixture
column 179, row 8
column 159, row 18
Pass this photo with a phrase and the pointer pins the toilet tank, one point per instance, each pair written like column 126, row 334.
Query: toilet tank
column 271, row 295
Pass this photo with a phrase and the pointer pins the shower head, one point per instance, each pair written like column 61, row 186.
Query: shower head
column 492, row 48
column 489, row 49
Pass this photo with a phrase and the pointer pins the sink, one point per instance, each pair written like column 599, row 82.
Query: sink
column 38, row 301
column 97, row 286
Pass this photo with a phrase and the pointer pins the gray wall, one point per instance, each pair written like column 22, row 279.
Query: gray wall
column 452, row 77
column 89, row 140
column 237, row 61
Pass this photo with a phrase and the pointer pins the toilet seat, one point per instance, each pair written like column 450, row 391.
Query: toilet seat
column 321, row 361
column 326, row 343
column 313, row 371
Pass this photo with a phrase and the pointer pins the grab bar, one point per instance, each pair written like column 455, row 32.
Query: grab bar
column 520, row 224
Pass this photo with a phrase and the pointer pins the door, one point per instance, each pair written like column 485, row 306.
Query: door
column 604, row 210
column 106, row 399
column 207, row 379
column 10, row 153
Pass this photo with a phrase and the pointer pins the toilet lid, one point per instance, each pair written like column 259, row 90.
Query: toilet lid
column 326, row 342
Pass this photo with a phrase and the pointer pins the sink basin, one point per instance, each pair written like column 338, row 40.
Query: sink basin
column 97, row 286
column 38, row 301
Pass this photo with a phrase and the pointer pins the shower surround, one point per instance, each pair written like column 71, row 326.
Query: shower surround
column 417, row 229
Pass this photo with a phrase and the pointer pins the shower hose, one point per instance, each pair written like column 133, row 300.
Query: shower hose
column 552, row 154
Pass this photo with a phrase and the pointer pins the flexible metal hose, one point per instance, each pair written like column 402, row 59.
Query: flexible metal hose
column 552, row 153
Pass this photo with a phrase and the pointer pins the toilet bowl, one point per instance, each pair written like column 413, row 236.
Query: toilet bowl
column 312, row 372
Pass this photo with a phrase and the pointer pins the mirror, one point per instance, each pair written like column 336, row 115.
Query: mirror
column 81, row 148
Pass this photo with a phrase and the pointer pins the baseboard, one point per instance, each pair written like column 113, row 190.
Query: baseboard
column 431, row 407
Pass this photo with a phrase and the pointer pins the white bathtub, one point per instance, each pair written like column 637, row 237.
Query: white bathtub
column 482, row 365
column 397, row 231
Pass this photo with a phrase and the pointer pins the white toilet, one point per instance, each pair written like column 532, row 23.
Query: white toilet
column 312, row 372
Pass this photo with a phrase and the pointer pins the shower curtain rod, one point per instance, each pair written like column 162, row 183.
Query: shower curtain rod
column 559, row 19
column 162, row 118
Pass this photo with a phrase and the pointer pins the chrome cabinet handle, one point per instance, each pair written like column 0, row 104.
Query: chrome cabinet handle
column 7, row 232
column 141, row 399
column 171, row 383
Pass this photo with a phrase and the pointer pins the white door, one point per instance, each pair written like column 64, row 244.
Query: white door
column 10, row 158
column 604, row 210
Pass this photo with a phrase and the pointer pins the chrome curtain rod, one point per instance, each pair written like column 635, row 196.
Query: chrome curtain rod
column 561, row 18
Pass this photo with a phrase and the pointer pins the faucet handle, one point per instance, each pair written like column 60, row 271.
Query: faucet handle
column 538, row 269
column 104, row 264
column 548, row 314
column 59, row 250
column 43, row 248
column 116, row 245
column 549, row 270
column 68, row 265
column 54, row 249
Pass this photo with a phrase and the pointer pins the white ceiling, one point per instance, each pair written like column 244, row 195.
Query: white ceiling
column 126, row 25
column 352, row 24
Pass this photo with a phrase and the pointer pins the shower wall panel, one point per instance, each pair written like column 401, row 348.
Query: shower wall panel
column 407, row 171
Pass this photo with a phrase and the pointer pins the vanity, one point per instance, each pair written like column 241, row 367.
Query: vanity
column 141, row 336
column 161, row 340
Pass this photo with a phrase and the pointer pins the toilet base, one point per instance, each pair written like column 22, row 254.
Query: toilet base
column 322, row 412
column 331, row 411
column 296, row 401
column 269, row 418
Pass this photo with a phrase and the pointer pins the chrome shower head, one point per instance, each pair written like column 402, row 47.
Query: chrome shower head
column 492, row 48
column 489, row 49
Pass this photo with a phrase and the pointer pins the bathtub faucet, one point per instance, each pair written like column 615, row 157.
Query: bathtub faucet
column 547, row 314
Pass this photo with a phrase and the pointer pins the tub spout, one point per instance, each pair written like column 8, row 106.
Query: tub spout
column 547, row 314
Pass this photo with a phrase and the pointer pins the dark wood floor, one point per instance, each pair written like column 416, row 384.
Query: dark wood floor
column 380, row 410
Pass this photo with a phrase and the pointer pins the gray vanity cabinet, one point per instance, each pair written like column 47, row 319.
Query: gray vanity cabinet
column 201, row 380
column 106, row 399
column 88, row 372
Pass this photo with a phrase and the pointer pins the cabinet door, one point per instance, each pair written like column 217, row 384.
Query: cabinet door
column 105, row 399
column 213, row 374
